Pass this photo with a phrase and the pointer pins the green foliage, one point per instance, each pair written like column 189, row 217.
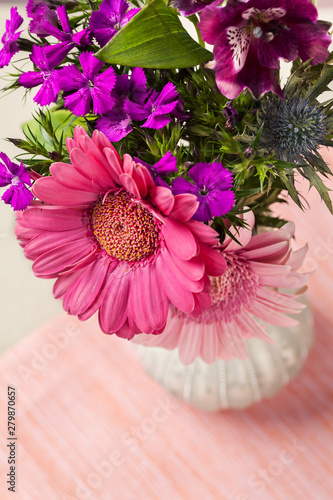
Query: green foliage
column 45, row 138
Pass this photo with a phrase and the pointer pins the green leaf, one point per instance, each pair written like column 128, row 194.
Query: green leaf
column 256, row 141
column 321, row 85
column 154, row 38
column 316, row 181
column 278, row 164
column 290, row 187
column 244, row 193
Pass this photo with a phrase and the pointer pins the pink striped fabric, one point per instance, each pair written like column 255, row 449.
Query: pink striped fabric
column 92, row 425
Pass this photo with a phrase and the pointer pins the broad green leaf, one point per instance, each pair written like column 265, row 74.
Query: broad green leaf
column 154, row 38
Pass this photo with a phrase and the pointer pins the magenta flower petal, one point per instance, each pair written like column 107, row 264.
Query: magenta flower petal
column 115, row 125
column 82, row 38
column 18, row 196
column 189, row 7
column 313, row 42
column 109, row 19
column 44, row 22
column 32, row 79
column 71, row 78
column 134, row 88
column 166, row 165
column 47, row 77
column 63, row 18
column 49, row 91
column 90, row 65
column 248, row 78
column 33, row 5
column 79, row 102
column 156, row 108
column 283, row 46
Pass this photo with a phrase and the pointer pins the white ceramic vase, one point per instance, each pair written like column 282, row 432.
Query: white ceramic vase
column 235, row 383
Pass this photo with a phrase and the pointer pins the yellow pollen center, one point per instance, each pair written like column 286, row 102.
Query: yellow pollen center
column 125, row 230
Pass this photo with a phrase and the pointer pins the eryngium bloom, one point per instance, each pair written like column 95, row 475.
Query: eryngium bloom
column 116, row 242
column 246, row 292
column 251, row 36
column 294, row 128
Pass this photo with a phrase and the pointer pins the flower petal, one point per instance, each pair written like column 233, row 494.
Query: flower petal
column 48, row 190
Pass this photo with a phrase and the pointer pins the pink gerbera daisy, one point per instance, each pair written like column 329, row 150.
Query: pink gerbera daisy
column 246, row 292
column 116, row 242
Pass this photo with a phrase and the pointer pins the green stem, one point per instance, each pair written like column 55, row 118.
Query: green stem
column 194, row 20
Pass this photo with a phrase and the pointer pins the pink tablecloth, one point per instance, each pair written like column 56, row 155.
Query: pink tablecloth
column 92, row 425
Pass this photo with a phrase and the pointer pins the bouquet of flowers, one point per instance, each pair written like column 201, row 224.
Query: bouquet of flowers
column 146, row 178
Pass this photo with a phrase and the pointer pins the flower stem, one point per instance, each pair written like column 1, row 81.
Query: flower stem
column 194, row 20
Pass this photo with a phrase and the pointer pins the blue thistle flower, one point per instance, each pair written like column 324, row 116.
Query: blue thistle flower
column 295, row 128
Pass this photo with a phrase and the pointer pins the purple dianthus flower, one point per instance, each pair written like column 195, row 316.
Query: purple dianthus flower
column 115, row 125
column 158, row 105
column 17, row 177
column 33, row 5
column 109, row 19
column 10, row 47
column 118, row 123
column 45, row 23
column 133, row 88
column 89, row 86
column 250, row 37
column 164, row 166
column 47, row 77
column 212, row 187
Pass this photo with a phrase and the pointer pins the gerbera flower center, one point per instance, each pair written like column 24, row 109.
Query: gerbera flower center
column 235, row 287
column 229, row 292
column 124, row 229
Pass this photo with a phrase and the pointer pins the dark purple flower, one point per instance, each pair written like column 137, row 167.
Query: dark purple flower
column 16, row 177
column 154, row 111
column 133, row 89
column 212, row 187
column 89, row 86
column 33, row 5
column 115, row 125
column 230, row 114
column 47, row 77
column 45, row 23
column 109, row 19
column 250, row 37
column 9, row 38
column 179, row 111
column 164, row 166
column 189, row 7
